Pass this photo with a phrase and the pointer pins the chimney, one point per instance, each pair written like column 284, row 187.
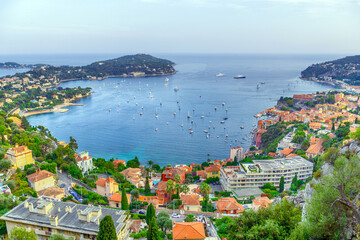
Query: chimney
column 26, row 204
column 54, row 220
column 31, row 207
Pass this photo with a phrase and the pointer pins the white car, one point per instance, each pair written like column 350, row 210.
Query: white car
column 175, row 215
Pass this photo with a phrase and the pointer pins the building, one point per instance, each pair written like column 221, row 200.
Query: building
column 150, row 199
column 171, row 172
column 20, row 156
column 161, row 193
column 191, row 202
column 316, row 147
column 84, row 162
column 212, row 171
column 134, row 176
column 41, row 180
column 229, row 206
column 265, row 171
column 117, row 162
column 260, row 202
column 115, row 200
column 106, row 187
column 244, row 194
column 188, row 230
column 236, row 152
column 53, row 192
column 46, row 217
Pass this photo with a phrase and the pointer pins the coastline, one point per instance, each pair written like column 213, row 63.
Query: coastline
column 56, row 108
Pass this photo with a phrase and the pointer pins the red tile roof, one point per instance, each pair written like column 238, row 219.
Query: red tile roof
column 190, row 199
column 102, row 181
column 39, row 175
column 228, row 204
column 188, row 230
column 213, row 168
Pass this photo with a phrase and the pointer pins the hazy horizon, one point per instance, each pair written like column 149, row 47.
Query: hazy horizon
column 180, row 27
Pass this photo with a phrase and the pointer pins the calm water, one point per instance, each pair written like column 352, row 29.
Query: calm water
column 110, row 125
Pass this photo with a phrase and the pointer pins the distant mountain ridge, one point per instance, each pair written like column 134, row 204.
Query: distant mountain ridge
column 139, row 65
column 345, row 69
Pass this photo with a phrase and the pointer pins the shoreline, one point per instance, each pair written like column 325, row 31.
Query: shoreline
column 56, row 108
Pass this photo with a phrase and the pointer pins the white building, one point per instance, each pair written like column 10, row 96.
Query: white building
column 265, row 171
column 84, row 162
column 236, row 152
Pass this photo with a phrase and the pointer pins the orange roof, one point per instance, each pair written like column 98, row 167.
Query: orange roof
column 272, row 154
column 116, row 197
column 102, row 181
column 200, row 173
column 161, row 186
column 262, row 201
column 135, row 225
column 39, row 175
column 190, row 199
column 213, row 168
column 51, row 191
column 20, row 149
column 227, row 204
column 292, row 155
column 287, row 151
column 316, row 147
column 117, row 161
column 189, row 230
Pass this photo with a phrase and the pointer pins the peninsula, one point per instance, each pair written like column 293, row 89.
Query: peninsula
column 337, row 72
column 35, row 92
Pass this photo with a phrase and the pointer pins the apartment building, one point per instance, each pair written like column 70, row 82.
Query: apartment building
column 265, row 171
column 20, row 156
column 84, row 162
column 46, row 217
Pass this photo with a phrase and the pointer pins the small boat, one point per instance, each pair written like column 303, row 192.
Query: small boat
column 215, row 108
column 136, row 104
column 191, row 132
column 160, row 103
column 151, row 96
column 239, row 76
column 258, row 86
column 176, row 89
column 217, row 136
column 225, row 118
column 141, row 114
column 166, row 84
column 213, row 127
column 190, row 128
column 134, row 97
column 223, row 104
column 222, row 122
column 192, row 121
column 174, row 113
column 156, row 116
column 206, row 131
column 156, row 129
column 242, row 127
column 202, row 116
column 166, row 79
column 235, row 140
column 207, row 135
column 181, row 125
column 262, row 82
column 226, row 135
column 188, row 116
column 220, row 75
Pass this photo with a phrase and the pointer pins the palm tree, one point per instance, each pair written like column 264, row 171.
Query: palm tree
column 177, row 178
column 205, row 190
column 170, row 187
column 178, row 188
column 150, row 163
column 185, row 189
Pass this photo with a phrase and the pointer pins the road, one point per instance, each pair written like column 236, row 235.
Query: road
column 64, row 179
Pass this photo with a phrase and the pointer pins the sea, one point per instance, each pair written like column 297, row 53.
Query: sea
column 184, row 118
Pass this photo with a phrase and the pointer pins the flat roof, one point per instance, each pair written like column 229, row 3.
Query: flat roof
column 283, row 163
column 244, row 192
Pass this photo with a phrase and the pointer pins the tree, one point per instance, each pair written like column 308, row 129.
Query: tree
column 185, row 189
column 59, row 237
column 190, row 218
column 5, row 164
column 73, row 144
column 150, row 213
column 177, row 178
column 178, row 188
column 11, row 184
column 163, row 221
column 153, row 231
column 20, row 233
column 124, row 200
column 107, row 229
column 147, row 186
column 205, row 190
column 170, row 187
column 134, row 194
column 282, row 184
column 134, row 163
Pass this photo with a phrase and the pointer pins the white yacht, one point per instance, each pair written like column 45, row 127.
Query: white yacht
column 220, row 75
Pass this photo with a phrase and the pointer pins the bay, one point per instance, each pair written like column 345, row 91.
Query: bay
column 110, row 124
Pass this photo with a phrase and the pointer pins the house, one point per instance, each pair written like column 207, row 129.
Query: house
column 106, row 187
column 190, row 202
column 150, row 199
column 115, row 199
column 188, row 230
column 201, row 173
column 246, row 193
column 53, row 192
column 236, row 152
column 84, row 162
column 117, row 162
column 135, row 225
column 212, row 171
column 41, row 180
column 316, row 147
column 229, row 206
column 171, row 172
column 260, row 202
column 285, row 152
column 46, row 217
column 161, row 193
column 20, row 156
column 134, row 176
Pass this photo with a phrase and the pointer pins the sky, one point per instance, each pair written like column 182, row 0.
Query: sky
column 180, row 26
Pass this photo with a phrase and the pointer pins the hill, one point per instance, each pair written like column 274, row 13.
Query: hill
column 346, row 69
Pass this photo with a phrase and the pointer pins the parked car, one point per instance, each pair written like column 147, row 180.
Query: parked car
column 175, row 215
column 62, row 185
column 198, row 219
column 133, row 211
column 142, row 212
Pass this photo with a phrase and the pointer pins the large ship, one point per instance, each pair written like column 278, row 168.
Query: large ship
column 239, row 76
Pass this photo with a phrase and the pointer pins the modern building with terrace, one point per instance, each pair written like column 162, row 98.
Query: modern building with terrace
column 46, row 217
column 256, row 174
